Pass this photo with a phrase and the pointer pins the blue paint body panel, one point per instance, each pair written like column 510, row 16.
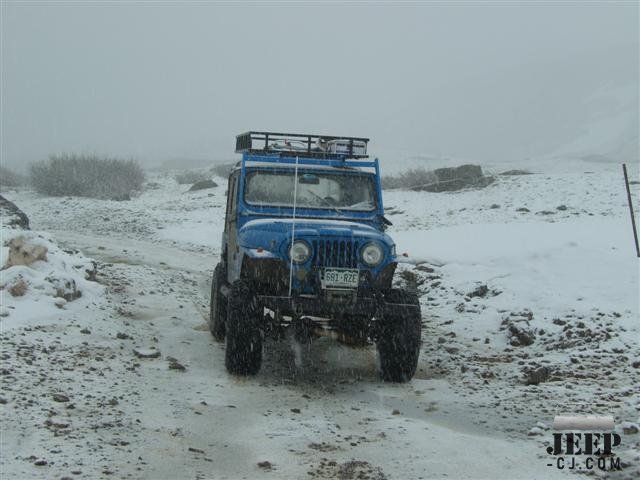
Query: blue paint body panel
column 336, row 238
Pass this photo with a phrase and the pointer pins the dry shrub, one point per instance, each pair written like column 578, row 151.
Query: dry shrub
column 87, row 176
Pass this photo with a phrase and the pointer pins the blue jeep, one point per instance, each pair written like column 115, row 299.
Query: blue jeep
column 304, row 247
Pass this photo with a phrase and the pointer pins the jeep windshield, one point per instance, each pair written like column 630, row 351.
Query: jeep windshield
column 315, row 189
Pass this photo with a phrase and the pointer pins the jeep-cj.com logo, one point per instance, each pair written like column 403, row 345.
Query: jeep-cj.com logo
column 585, row 450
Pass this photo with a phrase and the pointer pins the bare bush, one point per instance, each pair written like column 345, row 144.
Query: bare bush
column 411, row 178
column 190, row 177
column 9, row 178
column 223, row 169
column 87, row 176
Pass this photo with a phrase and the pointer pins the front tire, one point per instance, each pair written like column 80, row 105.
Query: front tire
column 218, row 304
column 243, row 354
column 398, row 341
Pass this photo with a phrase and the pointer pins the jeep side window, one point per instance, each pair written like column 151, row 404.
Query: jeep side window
column 231, row 199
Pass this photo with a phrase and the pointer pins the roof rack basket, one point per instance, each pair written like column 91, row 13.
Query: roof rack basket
column 297, row 144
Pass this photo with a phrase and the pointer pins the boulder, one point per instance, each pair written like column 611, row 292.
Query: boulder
column 456, row 178
column 203, row 185
column 23, row 252
column 12, row 216
column 537, row 376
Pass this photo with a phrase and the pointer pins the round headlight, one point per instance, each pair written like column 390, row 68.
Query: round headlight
column 300, row 251
column 372, row 254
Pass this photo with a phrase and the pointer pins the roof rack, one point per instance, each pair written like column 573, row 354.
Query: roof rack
column 298, row 144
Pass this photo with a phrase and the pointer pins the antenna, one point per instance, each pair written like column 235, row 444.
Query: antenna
column 293, row 225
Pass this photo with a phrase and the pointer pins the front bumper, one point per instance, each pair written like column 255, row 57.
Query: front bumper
column 336, row 302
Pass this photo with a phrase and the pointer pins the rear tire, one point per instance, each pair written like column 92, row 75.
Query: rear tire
column 398, row 341
column 243, row 354
column 218, row 304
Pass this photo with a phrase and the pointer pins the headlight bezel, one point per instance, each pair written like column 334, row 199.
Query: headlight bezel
column 376, row 246
column 303, row 244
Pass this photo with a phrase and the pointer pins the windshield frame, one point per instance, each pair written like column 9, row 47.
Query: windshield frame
column 342, row 211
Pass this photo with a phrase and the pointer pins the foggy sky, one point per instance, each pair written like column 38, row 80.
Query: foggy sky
column 156, row 81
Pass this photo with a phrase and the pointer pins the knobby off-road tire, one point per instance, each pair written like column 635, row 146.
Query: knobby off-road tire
column 218, row 304
column 243, row 354
column 398, row 341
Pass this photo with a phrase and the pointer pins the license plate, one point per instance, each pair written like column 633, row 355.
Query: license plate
column 340, row 278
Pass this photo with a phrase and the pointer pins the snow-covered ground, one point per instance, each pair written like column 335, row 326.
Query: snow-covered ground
column 547, row 257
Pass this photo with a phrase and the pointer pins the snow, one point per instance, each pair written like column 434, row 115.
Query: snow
column 577, row 264
column 570, row 276
column 45, row 281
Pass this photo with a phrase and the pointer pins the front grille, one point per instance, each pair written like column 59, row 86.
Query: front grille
column 335, row 253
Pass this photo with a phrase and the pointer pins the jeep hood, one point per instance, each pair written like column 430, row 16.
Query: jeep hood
column 270, row 233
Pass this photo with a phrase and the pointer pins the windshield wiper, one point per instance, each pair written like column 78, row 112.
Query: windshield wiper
column 325, row 201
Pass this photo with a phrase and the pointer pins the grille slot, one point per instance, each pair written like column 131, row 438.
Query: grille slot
column 335, row 253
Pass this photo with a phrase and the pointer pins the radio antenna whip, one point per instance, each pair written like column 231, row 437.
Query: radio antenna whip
column 293, row 225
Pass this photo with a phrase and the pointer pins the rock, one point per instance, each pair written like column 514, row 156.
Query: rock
column 494, row 206
column 521, row 337
column 395, row 411
column 59, row 397
column 629, row 428
column 40, row 463
column 408, row 280
column 65, row 287
column 122, row 336
column 60, row 302
column 91, row 272
column 295, row 410
column 203, row 185
column 516, row 172
column 24, row 252
column 534, row 432
column 85, row 331
column 481, row 291
column 562, row 208
column 523, row 210
column 175, row 364
column 141, row 353
column 356, row 469
column 267, row 465
column 545, row 212
column 12, row 216
column 534, row 377
column 18, row 288
column 456, row 178
column 487, row 374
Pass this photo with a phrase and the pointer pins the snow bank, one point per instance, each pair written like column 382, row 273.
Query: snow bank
column 576, row 265
column 38, row 278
